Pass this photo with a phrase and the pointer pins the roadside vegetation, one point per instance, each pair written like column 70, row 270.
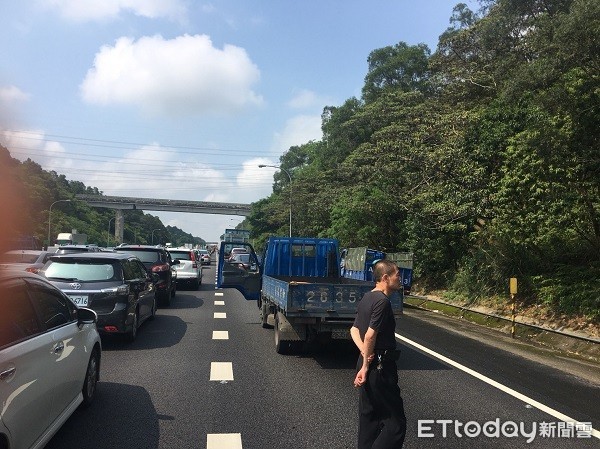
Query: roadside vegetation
column 482, row 157
column 27, row 191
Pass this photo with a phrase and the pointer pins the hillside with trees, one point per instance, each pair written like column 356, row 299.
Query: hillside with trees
column 482, row 158
column 27, row 191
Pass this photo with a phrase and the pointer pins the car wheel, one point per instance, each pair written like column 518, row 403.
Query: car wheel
column 133, row 331
column 195, row 285
column 91, row 379
column 173, row 289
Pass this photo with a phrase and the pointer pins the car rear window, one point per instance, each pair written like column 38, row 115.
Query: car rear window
column 72, row 250
column 90, row 271
column 181, row 255
column 244, row 258
column 144, row 256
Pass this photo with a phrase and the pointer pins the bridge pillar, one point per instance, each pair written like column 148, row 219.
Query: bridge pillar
column 119, row 225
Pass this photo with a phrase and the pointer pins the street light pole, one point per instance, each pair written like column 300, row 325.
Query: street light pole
column 108, row 232
column 289, row 176
column 50, row 216
column 153, row 234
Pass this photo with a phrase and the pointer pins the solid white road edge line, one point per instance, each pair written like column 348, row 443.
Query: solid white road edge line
column 510, row 391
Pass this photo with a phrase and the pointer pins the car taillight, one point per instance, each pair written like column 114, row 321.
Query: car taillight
column 159, row 268
column 192, row 257
column 32, row 270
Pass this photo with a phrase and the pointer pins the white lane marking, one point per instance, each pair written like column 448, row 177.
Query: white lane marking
column 219, row 303
column 220, row 335
column 220, row 315
column 498, row 385
column 218, row 293
column 221, row 371
column 224, row 441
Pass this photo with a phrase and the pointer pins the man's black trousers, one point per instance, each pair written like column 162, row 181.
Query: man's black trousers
column 382, row 423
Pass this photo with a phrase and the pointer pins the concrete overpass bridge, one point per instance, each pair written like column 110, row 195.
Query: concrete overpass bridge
column 121, row 203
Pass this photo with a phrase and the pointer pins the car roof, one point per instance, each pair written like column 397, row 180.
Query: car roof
column 11, row 273
column 25, row 251
column 98, row 255
column 140, row 246
column 180, row 249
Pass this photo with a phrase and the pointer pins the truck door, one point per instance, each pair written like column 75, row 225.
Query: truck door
column 238, row 268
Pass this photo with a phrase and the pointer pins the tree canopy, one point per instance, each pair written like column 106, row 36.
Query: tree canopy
column 482, row 158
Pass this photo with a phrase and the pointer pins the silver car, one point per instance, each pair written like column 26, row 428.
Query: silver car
column 189, row 269
column 24, row 259
column 50, row 355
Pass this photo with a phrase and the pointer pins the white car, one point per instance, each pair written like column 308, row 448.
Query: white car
column 50, row 355
column 189, row 269
column 204, row 256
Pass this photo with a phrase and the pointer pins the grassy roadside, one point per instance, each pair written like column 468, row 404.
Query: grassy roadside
column 498, row 319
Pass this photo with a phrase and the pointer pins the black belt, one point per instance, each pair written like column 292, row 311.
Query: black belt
column 387, row 354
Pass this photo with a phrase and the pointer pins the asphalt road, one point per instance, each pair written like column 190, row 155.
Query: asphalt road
column 157, row 392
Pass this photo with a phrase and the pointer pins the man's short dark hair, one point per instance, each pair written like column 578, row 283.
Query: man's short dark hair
column 383, row 266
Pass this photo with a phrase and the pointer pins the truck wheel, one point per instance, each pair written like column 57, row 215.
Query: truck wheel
column 281, row 346
column 264, row 315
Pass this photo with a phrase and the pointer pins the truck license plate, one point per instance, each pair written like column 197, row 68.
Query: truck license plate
column 340, row 334
column 79, row 300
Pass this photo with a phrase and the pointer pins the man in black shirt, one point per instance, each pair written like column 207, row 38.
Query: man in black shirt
column 382, row 423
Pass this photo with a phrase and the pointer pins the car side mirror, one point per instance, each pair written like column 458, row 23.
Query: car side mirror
column 86, row 316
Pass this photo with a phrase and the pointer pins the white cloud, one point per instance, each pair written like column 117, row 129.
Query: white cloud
column 181, row 76
column 90, row 10
column 297, row 131
column 12, row 94
column 303, row 99
column 11, row 100
column 33, row 144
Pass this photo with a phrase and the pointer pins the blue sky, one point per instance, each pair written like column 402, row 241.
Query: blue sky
column 183, row 99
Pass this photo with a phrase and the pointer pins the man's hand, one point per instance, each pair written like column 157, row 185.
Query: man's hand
column 361, row 377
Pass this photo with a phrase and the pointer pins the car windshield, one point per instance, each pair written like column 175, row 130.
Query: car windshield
column 18, row 258
column 83, row 270
column 181, row 255
column 144, row 256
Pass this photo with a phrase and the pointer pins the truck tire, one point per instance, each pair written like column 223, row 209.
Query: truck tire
column 281, row 346
column 264, row 315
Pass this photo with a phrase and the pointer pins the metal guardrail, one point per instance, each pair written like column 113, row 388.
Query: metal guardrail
column 503, row 318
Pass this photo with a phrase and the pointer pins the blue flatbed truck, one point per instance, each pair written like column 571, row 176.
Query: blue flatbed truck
column 298, row 289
